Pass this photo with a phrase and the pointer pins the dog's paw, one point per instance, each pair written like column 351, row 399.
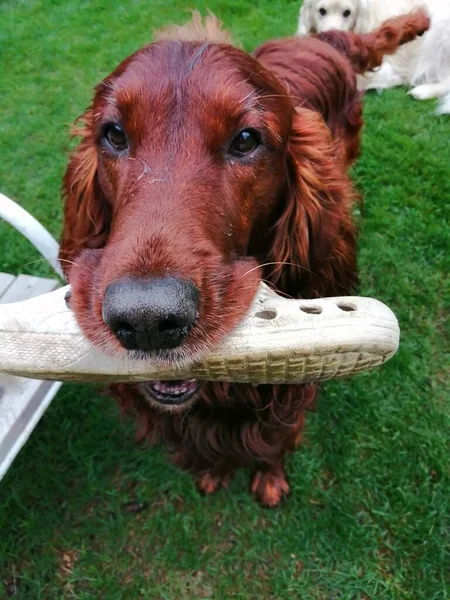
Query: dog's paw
column 269, row 488
column 424, row 92
column 208, row 483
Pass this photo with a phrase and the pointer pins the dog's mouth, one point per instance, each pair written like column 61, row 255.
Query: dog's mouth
column 171, row 393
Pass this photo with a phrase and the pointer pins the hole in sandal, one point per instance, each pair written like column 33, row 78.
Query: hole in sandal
column 347, row 307
column 311, row 310
column 266, row 315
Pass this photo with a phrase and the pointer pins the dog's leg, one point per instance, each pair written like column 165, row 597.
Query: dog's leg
column 444, row 105
column 211, row 481
column 385, row 77
column 269, row 484
column 427, row 91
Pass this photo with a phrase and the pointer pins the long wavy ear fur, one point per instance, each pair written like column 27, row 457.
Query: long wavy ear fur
column 86, row 211
column 315, row 240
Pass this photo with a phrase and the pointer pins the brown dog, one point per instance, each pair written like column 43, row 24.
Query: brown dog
column 201, row 170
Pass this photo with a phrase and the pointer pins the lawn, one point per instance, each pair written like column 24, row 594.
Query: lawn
column 86, row 513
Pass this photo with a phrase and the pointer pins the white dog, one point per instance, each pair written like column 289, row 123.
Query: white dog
column 424, row 64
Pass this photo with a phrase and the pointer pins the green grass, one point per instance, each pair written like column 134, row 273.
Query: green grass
column 368, row 516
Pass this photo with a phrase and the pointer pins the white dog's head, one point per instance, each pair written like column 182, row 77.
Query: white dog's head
column 322, row 15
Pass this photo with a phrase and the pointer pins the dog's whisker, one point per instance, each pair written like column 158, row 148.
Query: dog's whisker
column 281, row 263
column 61, row 312
column 33, row 262
column 70, row 262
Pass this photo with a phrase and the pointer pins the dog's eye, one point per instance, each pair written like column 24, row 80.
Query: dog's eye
column 322, row 11
column 115, row 136
column 346, row 13
column 245, row 142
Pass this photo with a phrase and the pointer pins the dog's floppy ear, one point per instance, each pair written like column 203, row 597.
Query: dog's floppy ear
column 305, row 18
column 86, row 211
column 314, row 248
column 368, row 16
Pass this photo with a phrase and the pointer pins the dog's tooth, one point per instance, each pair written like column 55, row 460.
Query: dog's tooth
column 175, row 388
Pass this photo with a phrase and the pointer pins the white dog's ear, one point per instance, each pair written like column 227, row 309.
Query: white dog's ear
column 305, row 18
column 366, row 15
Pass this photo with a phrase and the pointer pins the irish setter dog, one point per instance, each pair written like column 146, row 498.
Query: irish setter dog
column 202, row 169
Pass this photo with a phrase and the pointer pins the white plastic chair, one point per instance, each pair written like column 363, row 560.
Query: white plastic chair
column 24, row 401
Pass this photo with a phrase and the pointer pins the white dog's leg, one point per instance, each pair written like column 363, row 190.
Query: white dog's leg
column 427, row 91
column 444, row 105
column 385, row 77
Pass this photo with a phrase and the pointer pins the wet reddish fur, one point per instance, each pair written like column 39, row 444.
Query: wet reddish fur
column 212, row 222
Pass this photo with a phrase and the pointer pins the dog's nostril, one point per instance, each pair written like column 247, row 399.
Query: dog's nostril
column 126, row 334
column 124, row 327
column 168, row 325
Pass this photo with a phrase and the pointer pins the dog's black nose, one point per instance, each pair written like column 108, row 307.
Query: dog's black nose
column 150, row 314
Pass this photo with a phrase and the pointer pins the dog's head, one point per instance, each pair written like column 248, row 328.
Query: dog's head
column 193, row 168
column 317, row 16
